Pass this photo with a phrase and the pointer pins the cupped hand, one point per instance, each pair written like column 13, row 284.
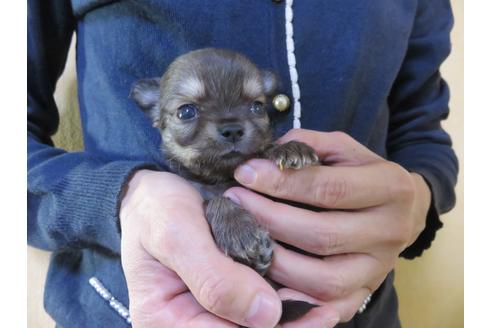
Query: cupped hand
column 176, row 276
column 374, row 209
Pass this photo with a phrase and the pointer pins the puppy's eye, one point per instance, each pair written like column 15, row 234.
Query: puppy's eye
column 187, row 112
column 257, row 108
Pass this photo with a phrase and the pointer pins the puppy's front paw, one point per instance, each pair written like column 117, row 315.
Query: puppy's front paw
column 292, row 154
column 238, row 235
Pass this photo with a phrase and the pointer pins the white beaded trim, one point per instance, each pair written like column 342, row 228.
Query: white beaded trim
column 113, row 302
column 291, row 60
column 365, row 303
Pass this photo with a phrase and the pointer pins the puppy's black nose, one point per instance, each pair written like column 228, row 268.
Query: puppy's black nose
column 231, row 132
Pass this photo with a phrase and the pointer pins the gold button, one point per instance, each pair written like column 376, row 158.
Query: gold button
column 281, row 102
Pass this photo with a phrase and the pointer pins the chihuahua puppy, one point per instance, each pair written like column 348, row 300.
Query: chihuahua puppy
column 210, row 109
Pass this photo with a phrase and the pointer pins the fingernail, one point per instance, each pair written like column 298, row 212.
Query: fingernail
column 332, row 322
column 264, row 311
column 232, row 196
column 245, row 174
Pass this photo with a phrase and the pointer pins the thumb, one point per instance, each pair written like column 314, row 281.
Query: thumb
column 228, row 289
column 335, row 148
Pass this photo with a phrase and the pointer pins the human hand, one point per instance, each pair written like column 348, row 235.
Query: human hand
column 176, row 275
column 378, row 209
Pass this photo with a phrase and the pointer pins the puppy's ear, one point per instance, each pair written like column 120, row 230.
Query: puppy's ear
column 146, row 94
column 270, row 82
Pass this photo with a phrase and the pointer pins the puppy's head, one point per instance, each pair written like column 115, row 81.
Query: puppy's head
column 210, row 107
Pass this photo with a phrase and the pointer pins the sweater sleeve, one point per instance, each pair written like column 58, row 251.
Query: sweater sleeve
column 418, row 103
column 73, row 197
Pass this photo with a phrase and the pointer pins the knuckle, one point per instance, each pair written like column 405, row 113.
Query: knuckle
column 341, row 137
column 294, row 134
column 137, row 319
column 399, row 239
column 131, row 265
column 141, row 317
column 387, row 266
column 161, row 239
column 279, row 185
column 215, row 294
column 334, row 289
column 346, row 316
column 330, row 193
column 385, row 263
column 398, row 235
column 164, row 233
column 338, row 135
column 324, row 242
column 401, row 187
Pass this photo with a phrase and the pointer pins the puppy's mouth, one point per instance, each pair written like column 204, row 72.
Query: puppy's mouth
column 238, row 149
column 233, row 154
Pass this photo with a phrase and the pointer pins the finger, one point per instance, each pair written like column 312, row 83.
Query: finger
column 321, row 316
column 232, row 291
column 226, row 288
column 143, row 273
column 335, row 148
column 320, row 233
column 345, row 307
column 329, row 279
column 324, row 186
column 292, row 294
column 158, row 297
column 349, row 306
column 192, row 314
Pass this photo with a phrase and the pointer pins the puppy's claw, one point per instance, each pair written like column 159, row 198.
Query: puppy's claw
column 293, row 154
column 281, row 165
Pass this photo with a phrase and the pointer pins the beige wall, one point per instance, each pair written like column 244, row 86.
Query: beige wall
column 430, row 288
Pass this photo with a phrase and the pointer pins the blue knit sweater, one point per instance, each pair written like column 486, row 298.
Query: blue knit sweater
column 369, row 68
